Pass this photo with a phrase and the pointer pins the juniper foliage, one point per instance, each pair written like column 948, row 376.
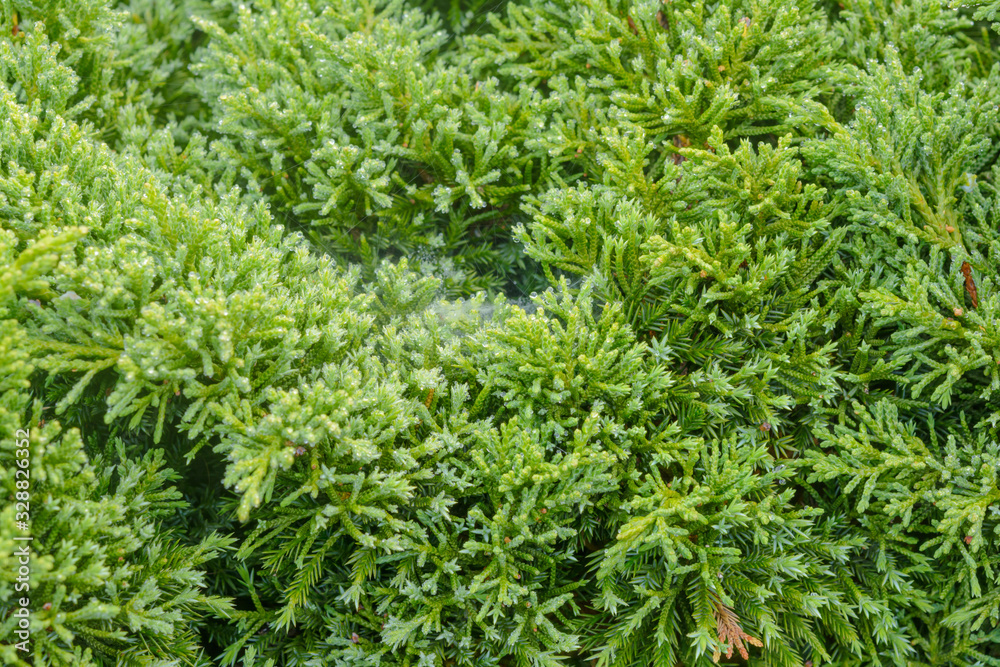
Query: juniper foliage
column 468, row 332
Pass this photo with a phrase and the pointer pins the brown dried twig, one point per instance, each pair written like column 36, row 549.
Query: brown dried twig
column 631, row 25
column 970, row 285
column 731, row 632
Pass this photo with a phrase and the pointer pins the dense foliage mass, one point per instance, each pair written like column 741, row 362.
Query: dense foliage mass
column 443, row 333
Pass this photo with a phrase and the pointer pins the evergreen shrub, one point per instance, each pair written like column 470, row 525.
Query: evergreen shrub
column 513, row 333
